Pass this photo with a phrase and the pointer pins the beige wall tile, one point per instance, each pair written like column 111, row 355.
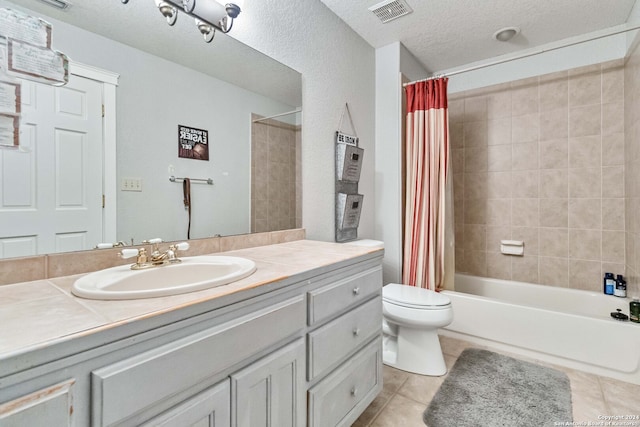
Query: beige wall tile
column 585, row 152
column 554, row 93
column 525, row 212
column 585, row 182
column 456, row 110
column 499, row 185
column 613, row 149
column 499, row 158
column 457, row 160
column 475, row 109
column 554, row 212
column 613, row 181
column 554, row 153
column 475, row 185
column 584, row 121
column 524, row 156
column 554, row 183
column 475, row 134
column 458, row 186
column 14, row 270
column 585, row 244
column 529, row 235
column 499, row 131
column 475, row 237
column 496, row 233
column 476, row 263
column 554, row 271
column 456, row 133
column 554, row 124
column 475, row 159
column 613, row 214
column 525, row 128
column 585, row 275
column 613, row 84
column 585, row 89
column 526, row 184
column 525, row 269
column 499, row 212
column 612, row 118
column 499, row 105
column 524, row 100
column 554, row 242
column 498, row 266
column 585, row 213
column 613, row 246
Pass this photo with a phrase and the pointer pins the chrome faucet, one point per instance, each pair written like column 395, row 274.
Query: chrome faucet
column 156, row 258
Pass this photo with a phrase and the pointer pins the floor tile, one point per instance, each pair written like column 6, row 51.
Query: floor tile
column 400, row 411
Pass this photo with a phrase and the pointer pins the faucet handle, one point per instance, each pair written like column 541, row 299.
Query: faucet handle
column 154, row 241
column 183, row 246
column 129, row 253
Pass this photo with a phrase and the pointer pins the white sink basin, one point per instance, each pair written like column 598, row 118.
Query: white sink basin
column 192, row 274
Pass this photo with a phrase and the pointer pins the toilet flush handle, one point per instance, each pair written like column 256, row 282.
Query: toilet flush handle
column 356, row 291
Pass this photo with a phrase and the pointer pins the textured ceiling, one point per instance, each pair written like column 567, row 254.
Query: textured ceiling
column 443, row 34
column 140, row 25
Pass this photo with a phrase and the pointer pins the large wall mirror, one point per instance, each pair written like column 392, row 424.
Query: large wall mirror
column 166, row 77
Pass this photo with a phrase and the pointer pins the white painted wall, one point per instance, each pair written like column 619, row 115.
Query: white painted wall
column 337, row 67
column 392, row 61
column 154, row 96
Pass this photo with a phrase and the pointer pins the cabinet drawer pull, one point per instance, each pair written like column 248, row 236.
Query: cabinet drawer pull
column 356, row 291
column 354, row 391
column 356, row 332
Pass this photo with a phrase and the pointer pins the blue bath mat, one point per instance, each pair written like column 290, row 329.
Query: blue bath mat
column 490, row 389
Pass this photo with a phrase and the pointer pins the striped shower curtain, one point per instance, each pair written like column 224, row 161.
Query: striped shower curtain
column 427, row 160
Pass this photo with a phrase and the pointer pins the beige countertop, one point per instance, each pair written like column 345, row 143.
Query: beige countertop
column 34, row 315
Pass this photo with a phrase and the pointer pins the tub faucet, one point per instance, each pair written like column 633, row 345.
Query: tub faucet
column 156, row 258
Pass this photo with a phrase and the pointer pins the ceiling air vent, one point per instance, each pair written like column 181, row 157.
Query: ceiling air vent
column 390, row 10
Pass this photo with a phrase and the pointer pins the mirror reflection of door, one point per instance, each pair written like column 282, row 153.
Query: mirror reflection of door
column 51, row 188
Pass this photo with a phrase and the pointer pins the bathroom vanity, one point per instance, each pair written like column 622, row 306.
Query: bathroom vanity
column 297, row 343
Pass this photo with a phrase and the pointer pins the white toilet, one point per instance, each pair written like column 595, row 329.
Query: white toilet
column 411, row 318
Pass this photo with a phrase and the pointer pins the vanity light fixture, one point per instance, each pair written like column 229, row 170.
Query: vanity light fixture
column 209, row 15
column 59, row 4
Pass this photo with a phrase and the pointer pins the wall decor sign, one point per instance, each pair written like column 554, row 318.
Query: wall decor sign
column 193, row 143
column 9, row 97
column 19, row 26
column 9, row 130
column 37, row 63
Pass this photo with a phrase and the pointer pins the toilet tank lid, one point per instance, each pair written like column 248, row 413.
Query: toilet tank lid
column 374, row 244
column 404, row 294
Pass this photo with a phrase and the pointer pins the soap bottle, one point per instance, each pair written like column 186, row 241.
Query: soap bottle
column 621, row 287
column 609, row 283
column 634, row 310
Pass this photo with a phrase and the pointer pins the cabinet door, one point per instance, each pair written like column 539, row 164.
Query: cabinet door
column 207, row 409
column 271, row 391
column 52, row 406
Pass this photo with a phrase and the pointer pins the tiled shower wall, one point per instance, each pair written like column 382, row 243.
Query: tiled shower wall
column 542, row 160
column 275, row 176
column 632, row 170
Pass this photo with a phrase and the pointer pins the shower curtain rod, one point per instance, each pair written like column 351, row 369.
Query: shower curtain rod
column 525, row 55
column 297, row 110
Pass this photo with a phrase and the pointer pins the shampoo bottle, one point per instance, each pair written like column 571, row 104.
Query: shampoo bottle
column 609, row 283
column 621, row 287
column 634, row 310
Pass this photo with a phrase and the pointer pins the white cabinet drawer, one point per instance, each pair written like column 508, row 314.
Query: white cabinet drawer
column 122, row 389
column 336, row 296
column 338, row 399
column 335, row 340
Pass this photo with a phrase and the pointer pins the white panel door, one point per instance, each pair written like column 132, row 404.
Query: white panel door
column 51, row 190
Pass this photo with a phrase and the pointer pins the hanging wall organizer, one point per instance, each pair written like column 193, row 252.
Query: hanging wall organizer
column 348, row 166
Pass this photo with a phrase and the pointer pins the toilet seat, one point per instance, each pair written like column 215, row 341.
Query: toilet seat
column 414, row 297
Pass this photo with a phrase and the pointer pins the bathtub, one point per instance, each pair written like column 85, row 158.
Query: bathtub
column 567, row 327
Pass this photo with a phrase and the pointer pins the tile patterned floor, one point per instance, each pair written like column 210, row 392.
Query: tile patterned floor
column 405, row 396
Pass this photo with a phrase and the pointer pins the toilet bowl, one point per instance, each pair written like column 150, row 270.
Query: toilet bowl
column 411, row 318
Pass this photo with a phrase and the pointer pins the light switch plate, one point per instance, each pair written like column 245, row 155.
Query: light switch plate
column 131, row 184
